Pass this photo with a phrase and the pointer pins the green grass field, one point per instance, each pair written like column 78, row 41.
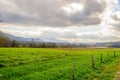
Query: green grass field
column 57, row 64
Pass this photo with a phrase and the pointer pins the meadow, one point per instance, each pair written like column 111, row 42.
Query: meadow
column 58, row 64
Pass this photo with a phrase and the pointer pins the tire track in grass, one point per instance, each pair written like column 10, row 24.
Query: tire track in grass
column 49, row 71
column 62, row 72
column 26, row 69
column 31, row 68
column 117, row 75
column 108, row 71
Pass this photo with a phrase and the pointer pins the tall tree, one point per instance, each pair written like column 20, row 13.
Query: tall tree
column 32, row 43
column 4, row 41
column 15, row 43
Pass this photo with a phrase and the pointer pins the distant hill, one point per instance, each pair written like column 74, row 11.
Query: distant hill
column 115, row 44
column 108, row 44
column 21, row 39
column 1, row 33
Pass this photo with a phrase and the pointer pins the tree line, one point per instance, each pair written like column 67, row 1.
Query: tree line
column 6, row 42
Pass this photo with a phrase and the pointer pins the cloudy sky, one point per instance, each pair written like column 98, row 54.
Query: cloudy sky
column 69, row 20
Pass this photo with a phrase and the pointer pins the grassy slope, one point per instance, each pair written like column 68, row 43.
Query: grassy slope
column 56, row 64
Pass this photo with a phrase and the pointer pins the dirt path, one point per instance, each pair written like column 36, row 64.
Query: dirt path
column 117, row 75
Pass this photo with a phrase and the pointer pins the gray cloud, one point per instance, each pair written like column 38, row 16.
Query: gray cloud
column 116, row 26
column 55, row 23
column 98, row 37
column 115, row 18
column 73, row 35
column 50, row 12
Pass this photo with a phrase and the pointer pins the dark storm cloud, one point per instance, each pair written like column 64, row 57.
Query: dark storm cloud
column 50, row 12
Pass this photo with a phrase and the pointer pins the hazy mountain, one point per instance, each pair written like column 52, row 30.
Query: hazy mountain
column 46, row 39
column 108, row 44
column 1, row 33
column 21, row 39
column 41, row 39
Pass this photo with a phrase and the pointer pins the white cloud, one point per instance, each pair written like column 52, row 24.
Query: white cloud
column 73, row 8
column 84, row 21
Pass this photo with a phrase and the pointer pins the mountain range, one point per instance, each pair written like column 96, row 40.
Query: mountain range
column 45, row 39
column 23, row 39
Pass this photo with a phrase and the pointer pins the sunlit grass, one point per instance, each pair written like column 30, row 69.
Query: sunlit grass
column 56, row 64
